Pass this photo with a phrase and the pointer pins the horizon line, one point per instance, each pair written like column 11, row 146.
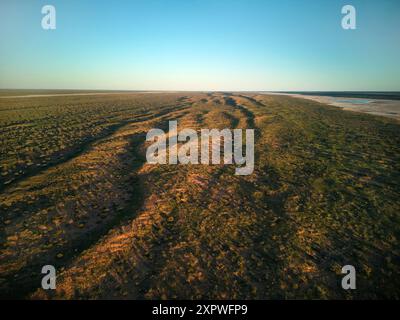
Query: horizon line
column 199, row 90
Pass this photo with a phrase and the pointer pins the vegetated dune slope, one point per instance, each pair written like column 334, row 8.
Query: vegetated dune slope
column 77, row 193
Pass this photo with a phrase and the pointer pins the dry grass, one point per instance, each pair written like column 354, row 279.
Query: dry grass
column 324, row 194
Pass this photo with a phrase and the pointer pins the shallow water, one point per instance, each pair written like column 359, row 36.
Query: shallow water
column 380, row 107
column 364, row 101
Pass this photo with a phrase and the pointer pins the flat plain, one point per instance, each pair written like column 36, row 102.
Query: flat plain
column 76, row 192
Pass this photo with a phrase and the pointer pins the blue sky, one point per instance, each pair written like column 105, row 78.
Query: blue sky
column 200, row 45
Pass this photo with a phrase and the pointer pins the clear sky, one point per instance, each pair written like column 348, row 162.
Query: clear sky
column 200, row 45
